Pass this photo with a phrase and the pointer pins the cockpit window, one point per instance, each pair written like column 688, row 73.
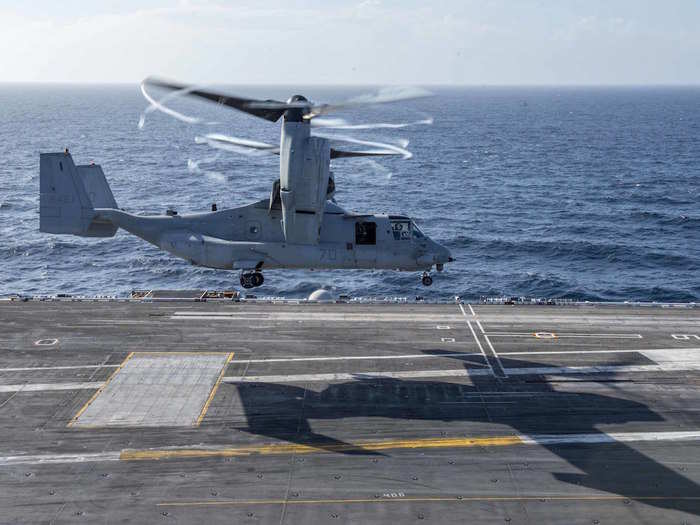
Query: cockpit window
column 401, row 230
column 365, row 233
column 417, row 234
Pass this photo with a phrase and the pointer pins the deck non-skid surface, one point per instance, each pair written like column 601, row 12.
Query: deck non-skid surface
column 280, row 413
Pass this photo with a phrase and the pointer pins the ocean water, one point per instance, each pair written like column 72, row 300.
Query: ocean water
column 579, row 193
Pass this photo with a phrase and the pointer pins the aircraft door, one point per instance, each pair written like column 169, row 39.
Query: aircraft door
column 365, row 244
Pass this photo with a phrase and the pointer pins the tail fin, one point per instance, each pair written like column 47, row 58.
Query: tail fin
column 69, row 196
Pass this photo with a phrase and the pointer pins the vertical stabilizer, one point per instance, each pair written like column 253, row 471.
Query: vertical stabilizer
column 67, row 190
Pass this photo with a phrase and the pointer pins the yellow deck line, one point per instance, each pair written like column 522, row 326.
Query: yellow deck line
column 99, row 390
column 292, row 448
column 441, row 499
column 213, row 390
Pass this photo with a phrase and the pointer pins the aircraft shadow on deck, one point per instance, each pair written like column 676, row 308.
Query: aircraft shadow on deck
column 283, row 412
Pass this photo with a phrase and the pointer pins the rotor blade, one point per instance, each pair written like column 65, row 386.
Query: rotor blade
column 340, row 154
column 383, row 96
column 398, row 149
column 241, row 142
column 247, row 105
column 237, row 144
column 339, row 123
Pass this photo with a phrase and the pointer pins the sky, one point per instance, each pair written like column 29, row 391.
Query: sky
column 369, row 42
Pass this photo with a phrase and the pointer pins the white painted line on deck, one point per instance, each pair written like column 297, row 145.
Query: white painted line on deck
column 625, row 351
column 479, row 345
column 206, row 451
column 462, row 372
column 67, row 367
column 313, row 316
column 471, row 310
column 407, row 374
column 450, row 355
column 498, row 370
column 59, row 458
column 558, row 335
column 354, row 358
column 38, row 387
column 356, row 376
column 612, row 437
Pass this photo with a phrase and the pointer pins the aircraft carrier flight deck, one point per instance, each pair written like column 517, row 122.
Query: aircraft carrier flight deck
column 264, row 412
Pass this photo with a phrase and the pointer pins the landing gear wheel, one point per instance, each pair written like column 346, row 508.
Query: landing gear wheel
column 258, row 279
column 247, row 280
column 426, row 279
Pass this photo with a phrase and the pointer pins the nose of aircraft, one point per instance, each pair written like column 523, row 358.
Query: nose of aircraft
column 444, row 254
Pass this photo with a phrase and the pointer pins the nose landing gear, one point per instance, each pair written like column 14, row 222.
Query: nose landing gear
column 426, row 279
column 251, row 279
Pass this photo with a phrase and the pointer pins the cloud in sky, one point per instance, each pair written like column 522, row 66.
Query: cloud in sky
column 360, row 42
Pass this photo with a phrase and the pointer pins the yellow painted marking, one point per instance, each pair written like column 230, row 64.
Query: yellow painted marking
column 441, row 499
column 213, row 390
column 99, row 390
column 293, row 448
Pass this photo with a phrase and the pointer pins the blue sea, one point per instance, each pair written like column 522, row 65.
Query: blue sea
column 553, row 192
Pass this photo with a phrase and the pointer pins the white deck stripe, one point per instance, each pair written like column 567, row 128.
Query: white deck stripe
column 59, row 458
column 501, row 370
column 480, row 347
column 461, row 372
column 313, row 316
column 565, row 334
column 356, row 376
column 525, row 439
column 354, row 357
column 626, row 351
column 471, row 310
column 39, row 368
column 37, row 387
column 406, row 374
column 450, row 355
column 612, row 437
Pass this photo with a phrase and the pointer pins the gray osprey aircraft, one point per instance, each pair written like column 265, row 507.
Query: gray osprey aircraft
column 298, row 226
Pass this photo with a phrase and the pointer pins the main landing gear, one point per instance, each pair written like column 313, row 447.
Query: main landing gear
column 251, row 279
column 426, row 279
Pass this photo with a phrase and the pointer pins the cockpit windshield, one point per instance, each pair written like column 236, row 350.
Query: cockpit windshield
column 417, row 234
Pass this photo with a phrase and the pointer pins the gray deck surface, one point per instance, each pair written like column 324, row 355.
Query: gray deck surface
column 349, row 413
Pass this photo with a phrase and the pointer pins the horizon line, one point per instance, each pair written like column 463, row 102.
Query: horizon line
column 314, row 84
